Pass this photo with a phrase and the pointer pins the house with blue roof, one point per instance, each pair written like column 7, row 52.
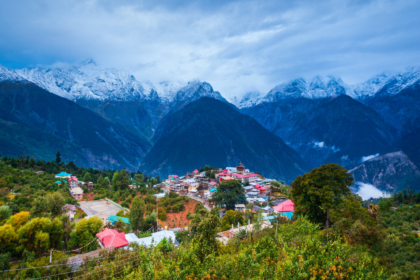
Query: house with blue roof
column 113, row 219
column 62, row 175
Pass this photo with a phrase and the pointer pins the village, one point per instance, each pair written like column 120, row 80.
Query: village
column 262, row 196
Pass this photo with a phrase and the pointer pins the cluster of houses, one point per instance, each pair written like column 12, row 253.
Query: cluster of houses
column 256, row 188
column 74, row 184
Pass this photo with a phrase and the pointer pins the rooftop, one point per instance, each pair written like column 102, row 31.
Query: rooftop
column 76, row 190
column 240, row 176
column 114, row 218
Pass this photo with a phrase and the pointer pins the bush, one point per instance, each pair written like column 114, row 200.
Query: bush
column 162, row 214
column 96, row 197
column 125, row 204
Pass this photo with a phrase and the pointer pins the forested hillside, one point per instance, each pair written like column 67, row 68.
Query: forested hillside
column 364, row 240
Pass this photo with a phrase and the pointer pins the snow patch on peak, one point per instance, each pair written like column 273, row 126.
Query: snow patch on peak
column 7, row 74
column 248, row 99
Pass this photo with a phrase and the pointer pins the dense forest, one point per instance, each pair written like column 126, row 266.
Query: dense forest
column 339, row 238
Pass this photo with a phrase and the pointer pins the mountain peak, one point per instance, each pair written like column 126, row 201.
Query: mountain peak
column 88, row 62
column 7, row 74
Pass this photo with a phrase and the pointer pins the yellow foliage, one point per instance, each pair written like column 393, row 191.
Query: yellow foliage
column 19, row 219
column 7, row 234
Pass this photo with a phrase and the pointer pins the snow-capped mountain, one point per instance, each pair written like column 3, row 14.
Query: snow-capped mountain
column 193, row 91
column 322, row 87
column 247, row 100
column 87, row 81
column 9, row 75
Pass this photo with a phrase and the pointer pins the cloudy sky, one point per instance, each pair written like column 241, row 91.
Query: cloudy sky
column 237, row 46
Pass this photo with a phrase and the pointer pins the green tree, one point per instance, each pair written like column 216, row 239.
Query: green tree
column 107, row 183
column 34, row 235
column 55, row 203
column 5, row 261
column 204, row 242
column 116, row 181
column 58, row 158
column 5, row 213
column 321, row 190
column 153, row 181
column 162, row 214
column 229, row 193
column 100, row 183
column 137, row 213
column 138, row 179
column 87, row 178
column 125, row 179
column 40, row 207
column 84, row 232
column 232, row 218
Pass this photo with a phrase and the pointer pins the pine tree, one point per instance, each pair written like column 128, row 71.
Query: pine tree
column 58, row 158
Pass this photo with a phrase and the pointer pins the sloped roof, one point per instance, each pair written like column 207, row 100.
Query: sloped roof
column 73, row 178
column 287, row 206
column 62, row 174
column 240, row 176
column 112, row 238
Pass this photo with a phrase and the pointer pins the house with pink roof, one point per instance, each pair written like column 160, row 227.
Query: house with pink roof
column 246, row 177
column 73, row 182
column 112, row 238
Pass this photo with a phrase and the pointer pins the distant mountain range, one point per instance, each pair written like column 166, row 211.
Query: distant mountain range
column 208, row 131
column 324, row 120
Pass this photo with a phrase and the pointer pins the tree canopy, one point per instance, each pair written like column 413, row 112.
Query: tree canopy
column 229, row 193
column 317, row 192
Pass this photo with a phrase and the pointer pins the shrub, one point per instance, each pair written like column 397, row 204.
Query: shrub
column 125, row 204
column 96, row 197
column 162, row 214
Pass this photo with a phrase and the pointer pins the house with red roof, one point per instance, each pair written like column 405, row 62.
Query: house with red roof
column 73, row 182
column 246, row 177
column 112, row 238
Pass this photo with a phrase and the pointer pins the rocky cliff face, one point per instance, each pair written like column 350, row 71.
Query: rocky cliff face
column 390, row 172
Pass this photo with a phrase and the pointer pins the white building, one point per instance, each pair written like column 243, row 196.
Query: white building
column 76, row 193
column 154, row 239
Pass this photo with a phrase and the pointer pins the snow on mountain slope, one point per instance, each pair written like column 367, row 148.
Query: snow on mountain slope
column 320, row 87
column 9, row 75
column 90, row 81
column 248, row 100
column 86, row 81
column 193, row 91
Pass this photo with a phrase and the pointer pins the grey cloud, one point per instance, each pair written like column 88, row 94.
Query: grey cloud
column 237, row 46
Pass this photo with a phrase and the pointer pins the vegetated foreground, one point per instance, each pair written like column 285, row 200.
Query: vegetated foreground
column 375, row 241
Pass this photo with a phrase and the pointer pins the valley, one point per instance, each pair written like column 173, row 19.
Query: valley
column 321, row 120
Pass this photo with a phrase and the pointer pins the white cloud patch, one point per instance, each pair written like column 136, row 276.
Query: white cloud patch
column 367, row 191
column 369, row 157
column 237, row 46
column 319, row 144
